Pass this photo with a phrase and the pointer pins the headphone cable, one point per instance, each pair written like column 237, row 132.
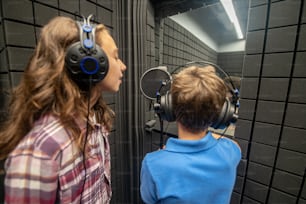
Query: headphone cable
column 161, row 140
column 86, row 137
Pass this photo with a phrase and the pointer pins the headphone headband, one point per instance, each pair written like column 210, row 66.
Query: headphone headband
column 87, row 33
column 203, row 62
column 164, row 108
column 86, row 62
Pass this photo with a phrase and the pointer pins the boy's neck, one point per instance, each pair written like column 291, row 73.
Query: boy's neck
column 185, row 134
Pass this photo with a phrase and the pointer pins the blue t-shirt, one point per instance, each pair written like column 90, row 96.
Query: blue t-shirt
column 191, row 172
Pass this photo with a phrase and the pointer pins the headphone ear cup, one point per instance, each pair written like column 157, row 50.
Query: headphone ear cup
column 83, row 68
column 86, row 62
column 166, row 109
column 226, row 116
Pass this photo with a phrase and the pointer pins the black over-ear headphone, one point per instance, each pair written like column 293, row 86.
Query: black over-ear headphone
column 86, row 62
column 228, row 114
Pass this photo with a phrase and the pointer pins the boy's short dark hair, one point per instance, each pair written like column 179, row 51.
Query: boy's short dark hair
column 198, row 95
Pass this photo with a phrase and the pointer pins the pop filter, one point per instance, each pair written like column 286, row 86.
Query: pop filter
column 154, row 80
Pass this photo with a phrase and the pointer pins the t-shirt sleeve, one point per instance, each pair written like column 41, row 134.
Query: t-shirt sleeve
column 236, row 151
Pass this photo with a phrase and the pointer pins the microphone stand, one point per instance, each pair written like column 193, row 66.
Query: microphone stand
column 161, row 122
column 161, row 139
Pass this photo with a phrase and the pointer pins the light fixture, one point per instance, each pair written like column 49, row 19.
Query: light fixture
column 230, row 11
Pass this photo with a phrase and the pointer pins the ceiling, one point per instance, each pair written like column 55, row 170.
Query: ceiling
column 207, row 20
column 165, row 8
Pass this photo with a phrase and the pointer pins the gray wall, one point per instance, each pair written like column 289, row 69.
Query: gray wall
column 231, row 62
column 181, row 46
column 271, row 129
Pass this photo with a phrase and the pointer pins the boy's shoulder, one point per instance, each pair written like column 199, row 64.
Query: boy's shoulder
column 218, row 136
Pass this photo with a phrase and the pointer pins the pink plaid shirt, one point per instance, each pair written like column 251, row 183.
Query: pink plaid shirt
column 46, row 167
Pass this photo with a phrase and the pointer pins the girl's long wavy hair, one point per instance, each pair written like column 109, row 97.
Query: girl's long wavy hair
column 47, row 89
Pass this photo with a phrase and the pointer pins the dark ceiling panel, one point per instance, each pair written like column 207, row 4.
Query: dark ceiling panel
column 164, row 8
column 209, row 15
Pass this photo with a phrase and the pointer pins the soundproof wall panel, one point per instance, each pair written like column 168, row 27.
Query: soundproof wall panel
column 4, row 87
column 266, row 133
column 181, row 46
column 110, row 98
column 104, row 15
column 51, row 3
column 44, row 13
column 244, row 146
column 150, row 48
column 157, row 39
column 293, row 139
column 270, row 112
column 287, row 182
column 291, row 161
column 231, row 62
column 241, row 169
column 277, row 64
column 4, row 98
column 150, row 140
column 295, row 116
column 255, row 42
column 255, row 3
column 249, row 88
column 2, row 43
column 255, row 191
column 235, row 198
column 277, row 197
column 18, row 57
column 150, row 24
column 244, row 128
column 300, row 64
column 259, row 173
column 238, row 184
column 19, row 34
column 87, row 8
column 105, row 4
column 275, row 89
column 277, row 11
column 247, row 200
column 252, row 65
column 258, row 17
column 3, row 61
column 304, row 14
column 303, row 194
column 297, row 90
column 247, row 109
column 69, row 6
column 23, row 10
column 302, row 38
column 15, row 78
column 277, row 136
column 281, row 39
column 262, row 154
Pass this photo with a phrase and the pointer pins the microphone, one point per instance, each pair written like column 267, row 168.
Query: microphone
column 155, row 81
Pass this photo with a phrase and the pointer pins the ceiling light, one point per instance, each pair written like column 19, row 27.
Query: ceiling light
column 229, row 8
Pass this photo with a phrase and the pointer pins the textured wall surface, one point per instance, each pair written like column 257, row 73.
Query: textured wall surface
column 272, row 125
